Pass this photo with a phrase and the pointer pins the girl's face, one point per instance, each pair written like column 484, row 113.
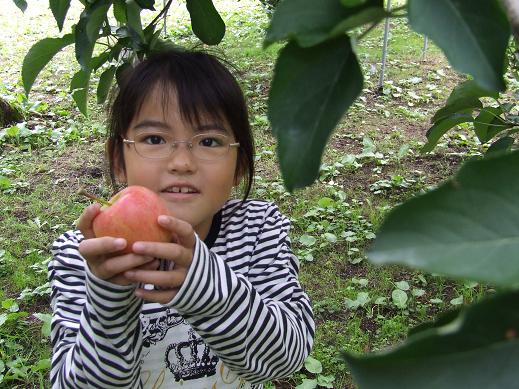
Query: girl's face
column 194, row 189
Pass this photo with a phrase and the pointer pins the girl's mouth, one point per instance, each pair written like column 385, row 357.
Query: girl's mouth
column 180, row 189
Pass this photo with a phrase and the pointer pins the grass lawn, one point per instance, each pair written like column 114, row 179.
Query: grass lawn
column 372, row 163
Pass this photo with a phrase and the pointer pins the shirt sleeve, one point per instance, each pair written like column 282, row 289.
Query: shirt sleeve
column 260, row 324
column 95, row 331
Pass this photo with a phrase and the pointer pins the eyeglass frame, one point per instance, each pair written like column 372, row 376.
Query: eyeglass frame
column 189, row 144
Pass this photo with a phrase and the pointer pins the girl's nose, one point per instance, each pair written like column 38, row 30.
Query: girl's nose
column 181, row 159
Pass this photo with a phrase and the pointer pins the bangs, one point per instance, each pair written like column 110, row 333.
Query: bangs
column 203, row 91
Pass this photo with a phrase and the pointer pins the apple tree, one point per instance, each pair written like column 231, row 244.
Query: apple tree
column 468, row 228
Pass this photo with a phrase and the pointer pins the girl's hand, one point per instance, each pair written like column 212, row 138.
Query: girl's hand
column 180, row 253
column 103, row 254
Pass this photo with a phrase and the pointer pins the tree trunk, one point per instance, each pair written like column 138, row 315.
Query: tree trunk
column 9, row 114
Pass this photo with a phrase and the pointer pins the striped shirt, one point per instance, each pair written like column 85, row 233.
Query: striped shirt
column 239, row 319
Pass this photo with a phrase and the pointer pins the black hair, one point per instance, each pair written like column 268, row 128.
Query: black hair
column 204, row 86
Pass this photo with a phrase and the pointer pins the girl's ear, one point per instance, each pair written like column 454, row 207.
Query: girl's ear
column 120, row 174
column 118, row 168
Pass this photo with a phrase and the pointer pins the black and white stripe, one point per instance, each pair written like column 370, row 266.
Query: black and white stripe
column 241, row 296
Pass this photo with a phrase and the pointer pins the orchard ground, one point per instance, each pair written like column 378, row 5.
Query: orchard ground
column 372, row 163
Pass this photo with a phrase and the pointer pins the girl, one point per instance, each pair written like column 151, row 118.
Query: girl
column 223, row 307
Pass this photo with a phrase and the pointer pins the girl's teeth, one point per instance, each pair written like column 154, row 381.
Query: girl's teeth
column 181, row 190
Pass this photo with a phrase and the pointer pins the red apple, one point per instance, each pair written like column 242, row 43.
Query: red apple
column 133, row 216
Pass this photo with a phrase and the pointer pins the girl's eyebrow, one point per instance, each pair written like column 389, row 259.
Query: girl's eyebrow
column 151, row 123
column 212, row 127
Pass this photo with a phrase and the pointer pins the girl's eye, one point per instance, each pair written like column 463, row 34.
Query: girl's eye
column 153, row 140
column 210, row 141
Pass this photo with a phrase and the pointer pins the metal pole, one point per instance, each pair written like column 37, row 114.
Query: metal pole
column 164, row 31
column 384, row 52
column 425, row 42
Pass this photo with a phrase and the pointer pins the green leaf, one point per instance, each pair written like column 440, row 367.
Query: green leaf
column 502, row 145
column 326, row 202
column 206, row 22
column 330, row 237
column 121, row 70
column 441, row 127
column 467, row 228
column 79, row 90
column 39, row 55
column 133, row 16
column 307, row 384
column 105, row 82
column 307, row 240
column 100, row 60
column 313, row 365
column 160, row 45
column 402, row 285
column 473, row 34
column 310, row 91
column 399, row 298
column 5, row 183
column 22, row 4
column 46, row 319
column 11, row 305
column 457, row 301
column 59, row 9
column 42, row 364
column 325, row 381
column 309, row 22
column 477, row 349
column 3, row 318
column 88, row 29
column 146, row 4
column 489, row 123
column 417, row 292
column 352, row 3
column 120, row 11
column 366, row 16
column 441, row 319
column 465, row 96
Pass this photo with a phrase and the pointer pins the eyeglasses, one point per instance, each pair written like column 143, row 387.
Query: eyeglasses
column 158, row 145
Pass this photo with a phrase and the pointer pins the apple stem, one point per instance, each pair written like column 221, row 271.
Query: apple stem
column 100, row 200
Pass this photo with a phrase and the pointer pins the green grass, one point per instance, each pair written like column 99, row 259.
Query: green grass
column 371, row 164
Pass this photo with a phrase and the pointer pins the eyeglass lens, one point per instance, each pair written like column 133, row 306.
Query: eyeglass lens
column 161, row 145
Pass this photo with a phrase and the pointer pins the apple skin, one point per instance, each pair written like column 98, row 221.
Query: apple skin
column 133, row 216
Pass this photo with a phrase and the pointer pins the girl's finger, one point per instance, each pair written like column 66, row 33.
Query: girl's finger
column 182, row 230
column 116, row 265
column 156, row 296
column 170, row 251
column 165, row 279
column 97, row 247
column 120, row 279
column 86, row 219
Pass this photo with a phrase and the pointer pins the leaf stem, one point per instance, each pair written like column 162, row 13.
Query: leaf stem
column 82, row 191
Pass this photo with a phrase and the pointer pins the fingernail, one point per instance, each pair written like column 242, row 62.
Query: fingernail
column 138, row 246
column 129, row 274
column 163, row 219
column 120, row 243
